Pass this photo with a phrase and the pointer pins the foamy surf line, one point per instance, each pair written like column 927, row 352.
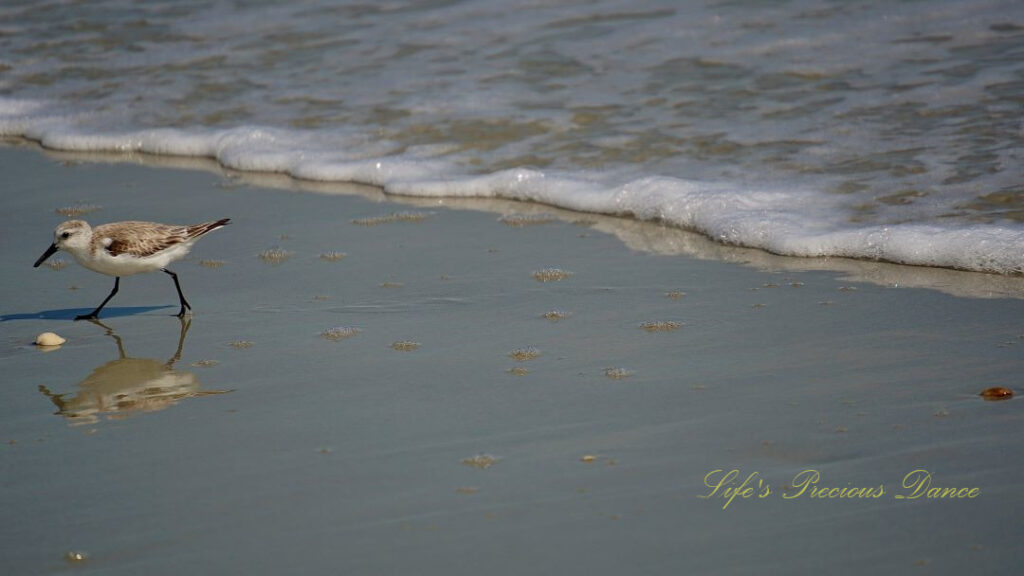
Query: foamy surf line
column 784, row 222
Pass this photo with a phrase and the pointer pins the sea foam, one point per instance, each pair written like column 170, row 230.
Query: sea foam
column 804, row 223
column 865, row 130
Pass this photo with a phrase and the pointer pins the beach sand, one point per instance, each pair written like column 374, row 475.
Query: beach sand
column 381, row 385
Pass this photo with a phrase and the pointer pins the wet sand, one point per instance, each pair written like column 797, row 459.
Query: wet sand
column 378, row 385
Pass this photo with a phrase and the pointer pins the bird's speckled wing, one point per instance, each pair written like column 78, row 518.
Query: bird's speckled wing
column 139, row 239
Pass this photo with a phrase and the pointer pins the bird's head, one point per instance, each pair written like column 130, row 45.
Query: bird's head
column 71, row 236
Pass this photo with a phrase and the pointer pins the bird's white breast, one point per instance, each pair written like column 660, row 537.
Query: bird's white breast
column 126, row 264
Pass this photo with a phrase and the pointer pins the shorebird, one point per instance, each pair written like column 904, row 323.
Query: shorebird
column 125, row 248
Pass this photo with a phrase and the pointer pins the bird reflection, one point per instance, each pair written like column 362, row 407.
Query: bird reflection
column 127, row 386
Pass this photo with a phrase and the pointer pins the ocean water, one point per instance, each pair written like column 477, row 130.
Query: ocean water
column 879, row 130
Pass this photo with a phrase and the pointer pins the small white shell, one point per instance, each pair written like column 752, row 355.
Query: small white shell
column 49, row 339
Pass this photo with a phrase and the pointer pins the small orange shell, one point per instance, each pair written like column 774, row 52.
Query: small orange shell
column 996, row 393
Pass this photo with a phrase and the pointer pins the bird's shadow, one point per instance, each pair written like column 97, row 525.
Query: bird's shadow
column 72, row 313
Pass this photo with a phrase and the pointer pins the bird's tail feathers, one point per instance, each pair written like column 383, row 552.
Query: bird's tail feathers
column 200, row 229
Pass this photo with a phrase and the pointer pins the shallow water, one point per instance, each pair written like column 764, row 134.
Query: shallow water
column 253, row 444
column 880, row 130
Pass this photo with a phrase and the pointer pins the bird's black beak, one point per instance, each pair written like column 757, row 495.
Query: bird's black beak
column 49, row 252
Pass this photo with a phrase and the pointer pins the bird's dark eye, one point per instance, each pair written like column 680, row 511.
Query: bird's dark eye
column 66, row 235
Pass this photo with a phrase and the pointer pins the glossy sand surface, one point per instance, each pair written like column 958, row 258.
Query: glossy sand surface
column 374, row 387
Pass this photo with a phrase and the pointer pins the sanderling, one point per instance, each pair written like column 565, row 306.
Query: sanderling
column 125, row 248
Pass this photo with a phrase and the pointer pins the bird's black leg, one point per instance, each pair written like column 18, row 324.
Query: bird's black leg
column 95, row 313
column 181, row 297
